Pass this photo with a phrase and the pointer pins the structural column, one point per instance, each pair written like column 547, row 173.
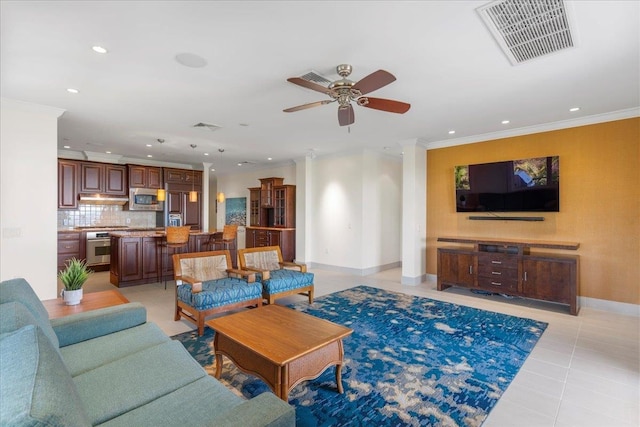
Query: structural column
column 414, row 212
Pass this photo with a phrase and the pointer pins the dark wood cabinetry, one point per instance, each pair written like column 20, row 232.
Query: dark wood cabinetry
column 508, row 267
column 254, row 207
column 179, row 183
column 262, row 236
column 182, row 176
column 272, row 216
column 145, row 177
column 69, row 246
column 267, row 188
column 178, row 203
column 103, row 178
column 284, row 206
column 135, row 260
column 67, row 184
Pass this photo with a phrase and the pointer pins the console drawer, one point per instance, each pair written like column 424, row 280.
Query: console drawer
column 497, row 260
column 498, row 284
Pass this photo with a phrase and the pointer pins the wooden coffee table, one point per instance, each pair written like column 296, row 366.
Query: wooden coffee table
column 281, row 346
column 90, row 301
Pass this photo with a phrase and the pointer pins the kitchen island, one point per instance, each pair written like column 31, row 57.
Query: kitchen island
column 137, row 257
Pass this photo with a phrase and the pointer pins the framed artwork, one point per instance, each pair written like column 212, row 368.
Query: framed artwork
column 236, row 211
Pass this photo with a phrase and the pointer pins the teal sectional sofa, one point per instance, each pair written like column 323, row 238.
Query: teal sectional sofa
column 109, row 367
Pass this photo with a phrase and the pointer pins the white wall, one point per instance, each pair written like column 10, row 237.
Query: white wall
column 356, row 212
column 28, row 195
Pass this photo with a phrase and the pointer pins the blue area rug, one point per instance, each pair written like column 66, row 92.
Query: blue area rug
column 410, row 361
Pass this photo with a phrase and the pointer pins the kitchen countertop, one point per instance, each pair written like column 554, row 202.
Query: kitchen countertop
column 153, row 233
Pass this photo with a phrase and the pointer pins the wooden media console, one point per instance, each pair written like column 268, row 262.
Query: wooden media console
column 508, row 267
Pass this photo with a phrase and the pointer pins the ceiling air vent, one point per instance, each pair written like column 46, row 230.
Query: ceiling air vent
column 527, row 29
column 207, row 125
column 315, row 77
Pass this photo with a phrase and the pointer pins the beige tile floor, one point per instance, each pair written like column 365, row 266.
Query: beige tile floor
column 583, row 372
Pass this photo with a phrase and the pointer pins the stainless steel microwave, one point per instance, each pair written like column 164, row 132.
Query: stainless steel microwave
column 144, row 199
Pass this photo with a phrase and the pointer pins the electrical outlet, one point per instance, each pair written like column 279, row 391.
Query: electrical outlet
column 128, row 220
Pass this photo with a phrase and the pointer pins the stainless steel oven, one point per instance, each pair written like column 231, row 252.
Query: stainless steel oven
column 98, row 248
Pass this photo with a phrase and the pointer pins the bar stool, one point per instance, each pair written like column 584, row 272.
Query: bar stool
column 176, row 239
column 224, row 240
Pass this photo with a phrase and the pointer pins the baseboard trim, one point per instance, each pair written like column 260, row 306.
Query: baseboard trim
column 623, row 308
column 355, row 271
column 413, row 281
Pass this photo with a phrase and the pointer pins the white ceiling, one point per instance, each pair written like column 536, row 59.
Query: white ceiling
column 447, row 65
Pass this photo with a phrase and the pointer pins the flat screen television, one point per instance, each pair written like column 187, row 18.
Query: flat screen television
column 525, row 185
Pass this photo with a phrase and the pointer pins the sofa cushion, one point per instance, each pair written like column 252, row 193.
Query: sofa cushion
column 19, row 290
column 15, row 315
column 88, row 355
column 195, row 404
column 216, row 293
column 286, row 280
column 36, row 388
column 135, row 380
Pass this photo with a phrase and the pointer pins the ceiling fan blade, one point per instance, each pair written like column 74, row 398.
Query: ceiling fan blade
column 374, row 81
column 309, row 85
column 309, row 105
column 386, row 105
column 346, row 116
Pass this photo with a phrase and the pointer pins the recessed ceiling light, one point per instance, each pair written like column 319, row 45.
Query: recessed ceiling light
column 66, row 146
column 191, row 60
column 269, row 158
column 574, row 109
column 149, row 155
column 206, row 154
column 99, row 49
column 213, row 170
column 108, row 152
column 451, row 132
column 149, row 145
column 72, row 90
column 239, row 164
column 505, row 122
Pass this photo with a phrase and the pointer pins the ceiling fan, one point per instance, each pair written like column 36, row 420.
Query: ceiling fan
column 344, row 91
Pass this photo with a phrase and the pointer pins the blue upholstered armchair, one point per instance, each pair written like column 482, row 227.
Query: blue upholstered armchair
column 278, row 278
column 206, row 284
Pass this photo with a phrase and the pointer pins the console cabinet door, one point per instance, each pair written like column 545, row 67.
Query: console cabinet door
column 549, row 280
column 456, row 268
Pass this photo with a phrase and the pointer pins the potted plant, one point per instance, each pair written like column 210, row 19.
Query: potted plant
column 73, row 277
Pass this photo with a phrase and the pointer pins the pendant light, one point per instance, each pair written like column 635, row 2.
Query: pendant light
column 193, row 195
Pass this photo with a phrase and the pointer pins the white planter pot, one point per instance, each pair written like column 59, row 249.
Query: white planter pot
column 72, row 297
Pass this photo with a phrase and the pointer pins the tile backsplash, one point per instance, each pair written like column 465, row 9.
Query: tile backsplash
column 105, row 215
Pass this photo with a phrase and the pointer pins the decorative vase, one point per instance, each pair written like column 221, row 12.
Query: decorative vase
column 72, row 297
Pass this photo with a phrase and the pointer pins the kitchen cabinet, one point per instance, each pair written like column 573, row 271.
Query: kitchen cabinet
column 67, row 184
column 69, row 246
column 103, row 178
column 145, row 177
column 136, row 257
column 509, row 267
column 267, row 187
column 270, row 236
column 191, row 212
column 182, row 176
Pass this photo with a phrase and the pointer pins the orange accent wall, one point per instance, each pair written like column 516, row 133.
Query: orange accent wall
column 599, row 201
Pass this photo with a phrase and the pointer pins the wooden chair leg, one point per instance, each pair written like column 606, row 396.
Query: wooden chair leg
column 200, row 324
column 310, row 296
column 178, row 313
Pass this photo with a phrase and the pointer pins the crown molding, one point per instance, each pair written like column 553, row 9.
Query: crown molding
column 546, row 127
